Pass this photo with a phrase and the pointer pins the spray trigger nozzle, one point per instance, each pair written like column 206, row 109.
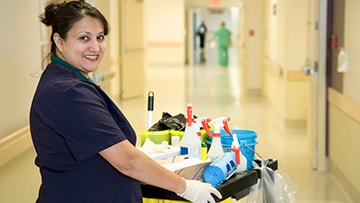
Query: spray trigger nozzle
column 202, row 122
column 190, row 118
column 236, row 148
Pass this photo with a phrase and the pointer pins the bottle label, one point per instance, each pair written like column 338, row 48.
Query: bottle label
column 194, row 151
column 184, row 150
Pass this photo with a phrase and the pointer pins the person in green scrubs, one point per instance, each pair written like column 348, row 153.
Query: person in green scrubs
column 223, row 41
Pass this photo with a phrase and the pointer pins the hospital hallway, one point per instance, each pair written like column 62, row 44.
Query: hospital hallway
column 214, row 92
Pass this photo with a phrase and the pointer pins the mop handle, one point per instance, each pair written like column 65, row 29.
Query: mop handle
column 150, row 107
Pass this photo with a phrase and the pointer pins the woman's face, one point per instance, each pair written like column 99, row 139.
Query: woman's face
column 84, row 45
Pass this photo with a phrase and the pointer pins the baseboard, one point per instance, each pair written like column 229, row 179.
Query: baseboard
column 254, row 92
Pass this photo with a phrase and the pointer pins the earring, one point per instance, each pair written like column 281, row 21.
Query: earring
column 61, row 50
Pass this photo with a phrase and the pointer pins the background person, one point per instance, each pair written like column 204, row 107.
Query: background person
column 84, row 144
column 223, row 41
column 201, row 32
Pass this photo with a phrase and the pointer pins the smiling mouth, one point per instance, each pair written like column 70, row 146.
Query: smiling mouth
column 92, row 57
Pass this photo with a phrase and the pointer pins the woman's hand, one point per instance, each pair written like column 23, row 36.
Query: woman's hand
column 197, row 191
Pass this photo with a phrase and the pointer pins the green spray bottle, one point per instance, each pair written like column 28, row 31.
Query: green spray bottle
column 202, row 122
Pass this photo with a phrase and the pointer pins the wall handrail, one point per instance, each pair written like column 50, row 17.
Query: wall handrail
column 14, row 144
column 274, row 67
column 346, row 104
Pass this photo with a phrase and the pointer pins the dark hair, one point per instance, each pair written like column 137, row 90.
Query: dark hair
column 62, row 16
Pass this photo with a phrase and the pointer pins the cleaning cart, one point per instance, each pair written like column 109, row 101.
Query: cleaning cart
column 235, row 186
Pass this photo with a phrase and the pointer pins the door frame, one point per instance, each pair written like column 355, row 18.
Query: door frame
column 320, row 160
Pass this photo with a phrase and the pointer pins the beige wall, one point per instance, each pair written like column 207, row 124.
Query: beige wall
column 165, row 31
column 20, row 58
column 344, row 128
column 344, row 112
column 253, row 21
column 351, row 46
column 284, row 53
column 22, row 37
column 114, row 50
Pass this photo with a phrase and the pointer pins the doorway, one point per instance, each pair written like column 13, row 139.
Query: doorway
column 212, row 18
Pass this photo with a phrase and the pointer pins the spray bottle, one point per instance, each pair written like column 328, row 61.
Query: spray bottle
column 190, row 143
column 202, row 122
column 241, row 160
column 216, row 149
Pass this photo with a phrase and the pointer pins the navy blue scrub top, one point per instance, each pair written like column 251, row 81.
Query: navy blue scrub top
column 71, row 121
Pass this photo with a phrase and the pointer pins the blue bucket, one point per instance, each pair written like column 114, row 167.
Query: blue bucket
column 246, row 139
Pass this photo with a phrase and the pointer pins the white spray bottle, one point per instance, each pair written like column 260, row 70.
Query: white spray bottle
column 190, row 143
column 202, row 122
column 241, row 160
column 216, row 149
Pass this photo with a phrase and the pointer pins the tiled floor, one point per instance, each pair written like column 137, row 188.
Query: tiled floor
column 214, row 92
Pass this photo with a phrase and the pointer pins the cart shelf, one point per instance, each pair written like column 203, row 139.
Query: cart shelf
column 236, row 187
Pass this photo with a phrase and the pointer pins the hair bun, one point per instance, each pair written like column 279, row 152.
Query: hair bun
column 50, row 12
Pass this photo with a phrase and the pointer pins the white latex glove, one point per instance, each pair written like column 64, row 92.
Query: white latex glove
column 199, row 192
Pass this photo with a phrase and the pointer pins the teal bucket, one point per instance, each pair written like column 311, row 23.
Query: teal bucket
column 246, row 139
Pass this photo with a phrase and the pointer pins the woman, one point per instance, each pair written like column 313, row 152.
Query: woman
column 84, row 144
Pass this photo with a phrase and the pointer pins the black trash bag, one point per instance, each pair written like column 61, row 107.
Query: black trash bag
column 177, row 122
column 159, row 126
column 169, row 122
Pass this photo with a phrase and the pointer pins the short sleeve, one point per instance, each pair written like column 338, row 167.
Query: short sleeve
column 83, row 118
